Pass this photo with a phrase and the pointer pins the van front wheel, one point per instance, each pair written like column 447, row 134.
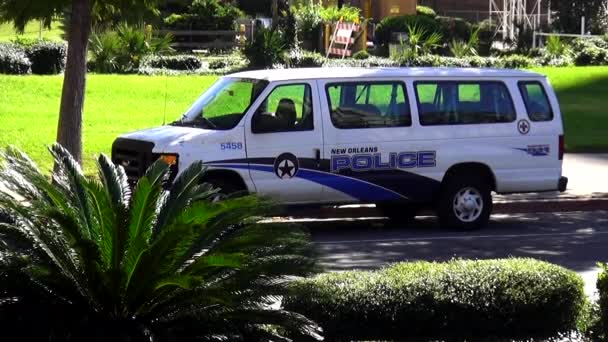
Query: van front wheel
column 465, row 203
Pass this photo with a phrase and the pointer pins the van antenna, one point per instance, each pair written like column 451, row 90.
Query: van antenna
column 165, row 110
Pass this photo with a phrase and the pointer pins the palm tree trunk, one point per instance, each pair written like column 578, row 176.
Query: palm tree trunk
column 69, row 130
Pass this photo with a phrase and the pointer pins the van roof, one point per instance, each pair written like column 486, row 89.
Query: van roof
column 344, row 72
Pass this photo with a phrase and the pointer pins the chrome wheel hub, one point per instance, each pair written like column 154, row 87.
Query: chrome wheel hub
column 468, row 204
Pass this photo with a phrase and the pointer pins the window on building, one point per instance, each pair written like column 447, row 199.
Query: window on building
column 356, row 105
column 464, row 103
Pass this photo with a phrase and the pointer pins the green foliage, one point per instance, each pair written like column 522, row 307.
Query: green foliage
column 517, row 62
column 13, row 60
column 148, row 264
column 287, row 24
column 602, row 288
column 419, row 42
column 590, row 51
column 297, row 58
column 458, row 300
column 487, row 29
column 556, row 47
column 308, row 18
column 177, row 62
column 361, row 55
column 122, row 50
column 424, row 10
column 455, row 28
column 47, row 57
column 569, row 13
column 332, row 14
column 461, row 49
column 390, row 25
column 266, row 49
column 205, row 15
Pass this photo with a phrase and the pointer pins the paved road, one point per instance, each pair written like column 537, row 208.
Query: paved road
column 575, row 240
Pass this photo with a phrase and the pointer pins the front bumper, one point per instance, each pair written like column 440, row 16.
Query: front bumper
column 563, row 184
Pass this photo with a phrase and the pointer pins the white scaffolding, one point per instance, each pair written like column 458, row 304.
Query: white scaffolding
column 511, row 13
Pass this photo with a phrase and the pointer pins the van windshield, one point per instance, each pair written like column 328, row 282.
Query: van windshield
column 224, row 104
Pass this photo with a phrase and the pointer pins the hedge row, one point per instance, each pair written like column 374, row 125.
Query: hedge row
column 510, row 298
column 43, row 58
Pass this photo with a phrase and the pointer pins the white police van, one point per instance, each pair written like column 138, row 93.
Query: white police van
column 402, row 138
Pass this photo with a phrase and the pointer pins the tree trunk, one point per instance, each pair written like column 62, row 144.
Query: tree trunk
column 275, row 13
column 69, row 130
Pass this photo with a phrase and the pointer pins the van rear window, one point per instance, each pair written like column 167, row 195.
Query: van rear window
column 537, row 103
column 464, row 103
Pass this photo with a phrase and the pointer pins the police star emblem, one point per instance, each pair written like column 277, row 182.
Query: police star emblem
column 286, row 166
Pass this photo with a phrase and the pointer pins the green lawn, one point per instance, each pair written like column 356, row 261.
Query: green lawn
column 32, row 31
column 118, row 104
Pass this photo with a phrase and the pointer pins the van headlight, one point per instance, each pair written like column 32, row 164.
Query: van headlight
column 170, row 159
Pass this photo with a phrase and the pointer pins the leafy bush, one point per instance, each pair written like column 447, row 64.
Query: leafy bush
column 517, row 62
column 178, row 62
column 424, row 10
column 361, row 55
column 47, row 57
column 205, row 15
column 419, row 42
column 454, row 28
column 459, row 48
column 556, row 47
column 487, row 29
column 13, row 60
column 122, row 50
column 332, row 14
column 390, row 25
column 590, row 52
column 266, row 49
column 458, row 300
column 308, row 18
column 602, row 288
column 90, row 259
column 371, row 62
column 304, row 59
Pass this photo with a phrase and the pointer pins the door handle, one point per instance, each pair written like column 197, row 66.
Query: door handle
column 317, row 152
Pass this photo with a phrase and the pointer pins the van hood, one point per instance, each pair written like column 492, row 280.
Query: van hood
column 167, row 137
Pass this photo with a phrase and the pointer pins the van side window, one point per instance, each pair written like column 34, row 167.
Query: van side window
column 288, row 108
column 368, row 105
column 537, row 103
column 464, row 103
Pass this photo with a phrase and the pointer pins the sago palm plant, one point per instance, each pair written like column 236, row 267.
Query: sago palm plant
column 85, row 259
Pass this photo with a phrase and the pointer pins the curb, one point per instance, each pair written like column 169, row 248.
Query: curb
column 571, row 204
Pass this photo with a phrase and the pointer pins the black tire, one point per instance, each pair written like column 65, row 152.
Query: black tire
column 472, row 209
column 398, row 212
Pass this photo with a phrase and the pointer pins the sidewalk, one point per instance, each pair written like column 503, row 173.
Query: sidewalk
column 587, row 178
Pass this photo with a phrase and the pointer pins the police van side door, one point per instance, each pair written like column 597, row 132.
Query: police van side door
column 370, row 153
column 284, row 143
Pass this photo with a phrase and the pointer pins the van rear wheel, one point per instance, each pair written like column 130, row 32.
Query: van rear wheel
column 465, row 203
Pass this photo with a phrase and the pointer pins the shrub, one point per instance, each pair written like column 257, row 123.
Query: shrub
column 454, row 28
column 602, row 288
column 308, row 18
column 266, row 49
column 371, row 62
column 332, row 14
column 178, row 62
column 92, row 259
column 13, row 60
column 517, row 62
column 424, row 10
column 205, row 15
column 47, row 57
column 361, row 55
column 304, row 59
column 122, row 50
column 457, row 300
column 390, row 25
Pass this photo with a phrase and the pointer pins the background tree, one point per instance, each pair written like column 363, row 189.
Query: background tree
column 569, row 14
column 82, row 14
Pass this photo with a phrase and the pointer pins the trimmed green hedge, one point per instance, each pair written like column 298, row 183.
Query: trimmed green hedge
column 13, row 60
column 47, row 58
column 511, row 298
